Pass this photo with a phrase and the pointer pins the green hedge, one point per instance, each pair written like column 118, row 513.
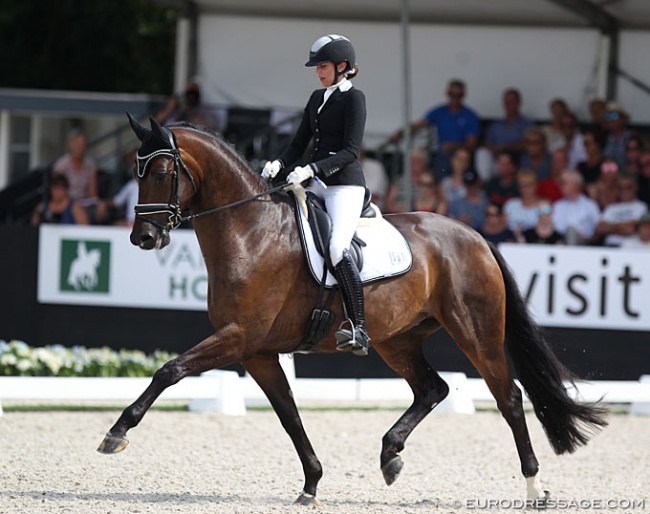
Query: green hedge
column 19, row 359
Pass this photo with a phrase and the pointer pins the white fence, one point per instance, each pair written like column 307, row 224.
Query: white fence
column 226, row 392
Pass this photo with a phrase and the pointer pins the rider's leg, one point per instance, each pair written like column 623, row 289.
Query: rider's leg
column 344, row 204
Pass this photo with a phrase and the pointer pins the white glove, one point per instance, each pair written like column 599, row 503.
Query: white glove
column 300, row 174
column 271, row 169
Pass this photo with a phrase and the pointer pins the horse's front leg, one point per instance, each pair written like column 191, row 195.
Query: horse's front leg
column 213, row 352
column 269, row 375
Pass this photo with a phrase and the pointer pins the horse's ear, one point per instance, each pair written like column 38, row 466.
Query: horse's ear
column 157, row 127
column 164, row 135
column 139, row 129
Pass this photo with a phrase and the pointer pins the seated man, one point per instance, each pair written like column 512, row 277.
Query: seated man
column 507, row 135
column 619, row 219
column 575, row 215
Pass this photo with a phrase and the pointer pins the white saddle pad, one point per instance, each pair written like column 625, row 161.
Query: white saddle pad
column 386, row 254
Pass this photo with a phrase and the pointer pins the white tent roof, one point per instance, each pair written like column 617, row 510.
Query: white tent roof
column 629, row 14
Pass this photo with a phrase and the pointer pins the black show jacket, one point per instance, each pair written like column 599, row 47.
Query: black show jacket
column 337, row 132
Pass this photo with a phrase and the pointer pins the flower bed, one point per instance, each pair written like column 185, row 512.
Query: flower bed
column 19, row 359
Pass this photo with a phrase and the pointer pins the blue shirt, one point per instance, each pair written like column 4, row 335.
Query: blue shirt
column 543, row 170
column 475, row 211
column 502, row 133
column 454, row 127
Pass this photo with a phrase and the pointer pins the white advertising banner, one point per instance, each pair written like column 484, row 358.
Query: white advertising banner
column 583, row 287
column 99, row 266
column 576, row 287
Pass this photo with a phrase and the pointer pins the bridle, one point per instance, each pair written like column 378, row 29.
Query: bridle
column 173, row 208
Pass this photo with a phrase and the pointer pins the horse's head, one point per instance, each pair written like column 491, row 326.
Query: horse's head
column 166, row 185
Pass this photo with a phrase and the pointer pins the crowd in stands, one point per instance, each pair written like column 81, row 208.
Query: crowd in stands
column 512, row 180
column 518, row 181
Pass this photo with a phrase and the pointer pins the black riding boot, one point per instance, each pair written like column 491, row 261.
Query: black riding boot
column 352, row 291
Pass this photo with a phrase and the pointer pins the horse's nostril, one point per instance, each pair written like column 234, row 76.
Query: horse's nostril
column 143, row 240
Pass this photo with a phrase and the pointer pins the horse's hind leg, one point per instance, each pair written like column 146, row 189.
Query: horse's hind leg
column 488, row 356
column 404, row 355
column 269, row 375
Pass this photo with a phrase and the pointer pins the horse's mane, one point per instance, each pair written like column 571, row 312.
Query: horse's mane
column 223, row 143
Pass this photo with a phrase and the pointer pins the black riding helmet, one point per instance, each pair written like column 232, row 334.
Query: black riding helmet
column 332, row 48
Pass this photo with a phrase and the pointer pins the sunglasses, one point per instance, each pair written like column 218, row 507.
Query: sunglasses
column 611, row 116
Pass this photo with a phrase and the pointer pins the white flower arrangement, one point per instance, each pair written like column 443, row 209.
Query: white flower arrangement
column 19, row 359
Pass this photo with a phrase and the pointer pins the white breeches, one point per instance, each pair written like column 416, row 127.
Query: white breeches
column 344, row 204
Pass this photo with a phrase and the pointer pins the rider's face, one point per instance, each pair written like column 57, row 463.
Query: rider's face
column 325, row 73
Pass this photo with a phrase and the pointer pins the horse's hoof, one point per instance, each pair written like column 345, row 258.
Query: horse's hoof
column 307, row 500
column 392, row 469
column 112, row 444
column 542, row 502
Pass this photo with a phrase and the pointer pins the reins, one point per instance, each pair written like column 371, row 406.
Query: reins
column 233, row 204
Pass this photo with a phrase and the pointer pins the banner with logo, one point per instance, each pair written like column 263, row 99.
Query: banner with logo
column 99, row 266
column 564, row 286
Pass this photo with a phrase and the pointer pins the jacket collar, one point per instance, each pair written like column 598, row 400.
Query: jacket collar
column 343, row 86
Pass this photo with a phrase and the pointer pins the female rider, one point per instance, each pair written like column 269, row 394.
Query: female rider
column 334, row 119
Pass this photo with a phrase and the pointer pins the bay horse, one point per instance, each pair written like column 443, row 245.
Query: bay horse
column 261, row 294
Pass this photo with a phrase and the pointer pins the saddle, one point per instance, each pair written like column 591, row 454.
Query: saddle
column 321, row 227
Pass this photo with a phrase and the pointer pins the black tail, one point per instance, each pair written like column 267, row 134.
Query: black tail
column 567, row 423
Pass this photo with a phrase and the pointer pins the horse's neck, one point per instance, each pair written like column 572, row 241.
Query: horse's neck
column 235, row 232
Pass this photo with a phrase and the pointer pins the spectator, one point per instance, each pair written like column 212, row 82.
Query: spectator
column 522, row 211
column 428, row 197
column 508, row 134
column 504, row 186
column 616, row 120
column 125, row 200
column 594, row 141
column 376, row 178
column 605, row 190
column 453, row 186
column 189, row 108
column 419, row 166
column 495, row 227
column 553, row 130
column 575, row 216
column 619, row 219
column 470, row 209
column 536, row 155
column 79, row 169
column 644, row 177
column 59, row 207
column 571, row 140
column 550, row 188
column 641, row 238
column 455, row 125
column 597, row 109
column 633, row 149
column 544, row 231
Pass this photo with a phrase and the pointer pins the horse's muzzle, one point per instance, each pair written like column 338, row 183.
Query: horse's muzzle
column 148, row 237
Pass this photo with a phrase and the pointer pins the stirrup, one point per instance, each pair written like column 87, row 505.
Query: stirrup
column 347, row 339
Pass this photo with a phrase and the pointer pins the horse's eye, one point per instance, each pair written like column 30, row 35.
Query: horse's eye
column 160, row 176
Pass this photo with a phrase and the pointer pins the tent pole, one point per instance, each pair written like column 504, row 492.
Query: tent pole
column 406, row 104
